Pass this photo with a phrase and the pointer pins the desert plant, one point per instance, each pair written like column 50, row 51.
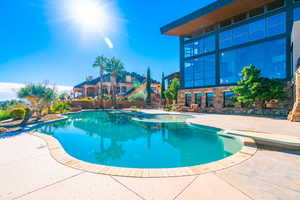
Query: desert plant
column 171, row 107
column 63, row 97
column 11, row 103
column 60, row 107
column 4, row 115
column 39, row 96
column 17, row 113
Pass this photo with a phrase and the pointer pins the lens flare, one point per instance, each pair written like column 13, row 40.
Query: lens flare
column 108, row 42
column 90, row 15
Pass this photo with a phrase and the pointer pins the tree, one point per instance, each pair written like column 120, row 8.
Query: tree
column 148, row 87
column 256, row 89
column 163, row 88
column 63, row 97
column 39, row 96
column 172, row 92
column 101, row 62
column 115, row 68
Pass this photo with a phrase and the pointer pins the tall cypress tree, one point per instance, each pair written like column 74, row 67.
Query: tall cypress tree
column 163, row 87
column 148, row 87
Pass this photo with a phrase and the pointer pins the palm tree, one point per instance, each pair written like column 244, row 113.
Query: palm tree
column 101, row 62
column 115, row 68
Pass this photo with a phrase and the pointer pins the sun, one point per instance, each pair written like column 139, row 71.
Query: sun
column 89, row 15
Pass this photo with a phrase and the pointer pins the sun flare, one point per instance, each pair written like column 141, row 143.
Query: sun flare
column 90, row 15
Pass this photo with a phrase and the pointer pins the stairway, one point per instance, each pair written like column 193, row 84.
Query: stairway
column 294, row 115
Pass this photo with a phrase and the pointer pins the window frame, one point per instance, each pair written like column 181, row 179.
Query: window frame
column 186, row 95
column 209, row 104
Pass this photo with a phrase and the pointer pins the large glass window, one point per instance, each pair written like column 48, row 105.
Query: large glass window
column 188, row 100
column 257, row 30
column 204, row 69
column 260, row 29
column 188, row 50
column 297, row 14
column 200, row 71
column 240, row 35
column 198, row 99
column 201, row 46
column 228, row 99
column 276, row 24
column 210, row 97
column 269, row 57
column 189, row 74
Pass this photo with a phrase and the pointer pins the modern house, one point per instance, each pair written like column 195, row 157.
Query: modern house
column 218, row 40
column 127, row 84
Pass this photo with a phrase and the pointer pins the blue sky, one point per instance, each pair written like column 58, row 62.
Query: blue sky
column 39, row 42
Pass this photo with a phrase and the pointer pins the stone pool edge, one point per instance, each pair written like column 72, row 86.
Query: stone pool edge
column 58, row 153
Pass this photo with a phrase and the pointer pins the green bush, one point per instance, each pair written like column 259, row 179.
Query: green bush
column 171, row 107
column 4, row 114
column 60, row 107
column 9, row 104
column 17, row 113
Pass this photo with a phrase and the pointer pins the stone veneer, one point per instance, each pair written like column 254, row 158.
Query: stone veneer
column 295, row 113
column 282, row 110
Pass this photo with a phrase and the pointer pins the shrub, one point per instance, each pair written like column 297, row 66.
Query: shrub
column 171, row 107
column 256, row 89
column 9, row 104
column 17, row 113
column 60, row 107
column 136, row 111
column 4, row 114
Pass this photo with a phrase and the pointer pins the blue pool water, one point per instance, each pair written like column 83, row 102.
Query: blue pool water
column 119, row 139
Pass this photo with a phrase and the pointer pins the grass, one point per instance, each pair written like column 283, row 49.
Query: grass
column 4, row 115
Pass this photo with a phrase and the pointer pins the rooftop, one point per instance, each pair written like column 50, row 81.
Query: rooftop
column 210, row 15
column 121, row 79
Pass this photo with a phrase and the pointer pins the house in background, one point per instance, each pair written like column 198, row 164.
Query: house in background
column 217, row 41
column 127, row 84
column 172, row 76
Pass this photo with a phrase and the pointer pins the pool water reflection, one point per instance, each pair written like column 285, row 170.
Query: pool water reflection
column 115, row 139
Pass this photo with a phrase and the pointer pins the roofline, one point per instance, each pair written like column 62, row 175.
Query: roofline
column 171, row 75
column 196, row 14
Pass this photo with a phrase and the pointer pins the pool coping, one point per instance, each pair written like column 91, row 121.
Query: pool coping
column 60, row 155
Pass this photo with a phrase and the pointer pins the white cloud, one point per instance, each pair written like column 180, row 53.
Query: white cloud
column 8, row 90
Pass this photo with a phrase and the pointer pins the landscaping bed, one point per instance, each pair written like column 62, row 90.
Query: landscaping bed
column 15, row 125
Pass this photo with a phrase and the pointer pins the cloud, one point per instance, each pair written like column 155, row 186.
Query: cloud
column 8, row 90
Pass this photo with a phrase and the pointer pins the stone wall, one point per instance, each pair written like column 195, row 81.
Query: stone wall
column 295, row 113
column 279, row 109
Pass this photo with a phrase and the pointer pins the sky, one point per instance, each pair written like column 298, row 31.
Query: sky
column 46, row 40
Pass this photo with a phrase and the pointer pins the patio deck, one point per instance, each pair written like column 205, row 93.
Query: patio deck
column 28, row 171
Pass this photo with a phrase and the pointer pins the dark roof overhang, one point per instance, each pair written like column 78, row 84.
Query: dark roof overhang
column 210, row 15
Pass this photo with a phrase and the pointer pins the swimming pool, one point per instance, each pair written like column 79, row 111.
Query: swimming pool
column 118, row 139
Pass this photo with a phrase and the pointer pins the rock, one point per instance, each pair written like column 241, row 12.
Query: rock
column 3, row 130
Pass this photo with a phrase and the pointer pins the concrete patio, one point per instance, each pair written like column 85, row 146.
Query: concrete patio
column 28, row 171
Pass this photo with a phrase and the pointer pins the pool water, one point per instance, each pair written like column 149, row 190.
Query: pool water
column 116, row 139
